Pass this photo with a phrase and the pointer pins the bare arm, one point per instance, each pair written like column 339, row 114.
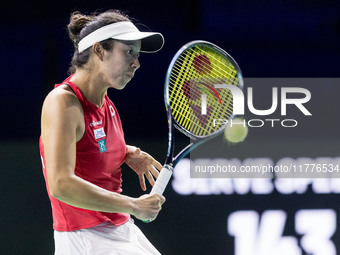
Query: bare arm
column 62, row 126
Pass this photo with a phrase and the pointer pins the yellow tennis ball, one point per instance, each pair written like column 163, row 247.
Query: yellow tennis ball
column 236, row 130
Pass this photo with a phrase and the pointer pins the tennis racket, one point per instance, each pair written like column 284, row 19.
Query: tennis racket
column 195, row 96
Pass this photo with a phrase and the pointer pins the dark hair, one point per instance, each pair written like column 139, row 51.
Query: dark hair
column 82, row 25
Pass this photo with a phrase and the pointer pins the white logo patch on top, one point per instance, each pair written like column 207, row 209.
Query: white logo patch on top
column 113, row 112
column 99, row 133
column 96, row 123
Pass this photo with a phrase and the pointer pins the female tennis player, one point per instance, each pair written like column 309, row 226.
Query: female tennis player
column 82, row 143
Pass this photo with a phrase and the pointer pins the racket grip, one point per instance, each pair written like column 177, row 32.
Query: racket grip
column 162, row 180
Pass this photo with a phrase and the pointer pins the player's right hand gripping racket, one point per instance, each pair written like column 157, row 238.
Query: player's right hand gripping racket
column 197, row 100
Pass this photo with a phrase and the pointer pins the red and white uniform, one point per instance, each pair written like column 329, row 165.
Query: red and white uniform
column 99, row 156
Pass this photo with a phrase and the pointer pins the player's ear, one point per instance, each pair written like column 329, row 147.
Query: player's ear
column 98, row 50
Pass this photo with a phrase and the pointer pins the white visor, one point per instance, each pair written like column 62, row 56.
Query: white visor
column 126, row 31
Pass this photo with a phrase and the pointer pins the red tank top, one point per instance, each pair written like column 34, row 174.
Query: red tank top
column 99, row 156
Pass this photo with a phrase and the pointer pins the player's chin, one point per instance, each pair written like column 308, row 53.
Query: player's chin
column 121, row 85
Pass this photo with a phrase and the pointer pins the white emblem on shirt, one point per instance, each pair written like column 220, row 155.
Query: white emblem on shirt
column 95, row 123
column 112, row 110
column 99, row 133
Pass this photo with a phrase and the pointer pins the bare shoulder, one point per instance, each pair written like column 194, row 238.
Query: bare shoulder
column 61, row 96
column 61, row 106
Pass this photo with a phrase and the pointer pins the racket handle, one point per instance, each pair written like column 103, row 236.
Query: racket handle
column 162, row 180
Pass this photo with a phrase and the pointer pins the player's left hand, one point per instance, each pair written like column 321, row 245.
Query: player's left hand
column 143, row 164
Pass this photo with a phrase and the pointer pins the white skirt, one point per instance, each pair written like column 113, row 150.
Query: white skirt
column 104, row 239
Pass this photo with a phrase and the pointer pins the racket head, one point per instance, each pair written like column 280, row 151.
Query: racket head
column 190, row 95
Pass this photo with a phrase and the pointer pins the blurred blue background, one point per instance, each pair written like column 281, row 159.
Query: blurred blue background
column 267, row 38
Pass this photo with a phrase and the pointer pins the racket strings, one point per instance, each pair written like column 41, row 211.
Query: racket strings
column 202, row 80
column 193, row 76
column 232, row 77
column 217, row 67
column 180, row 108
column 189, row 90
column 186, row 118
column 218, row 70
